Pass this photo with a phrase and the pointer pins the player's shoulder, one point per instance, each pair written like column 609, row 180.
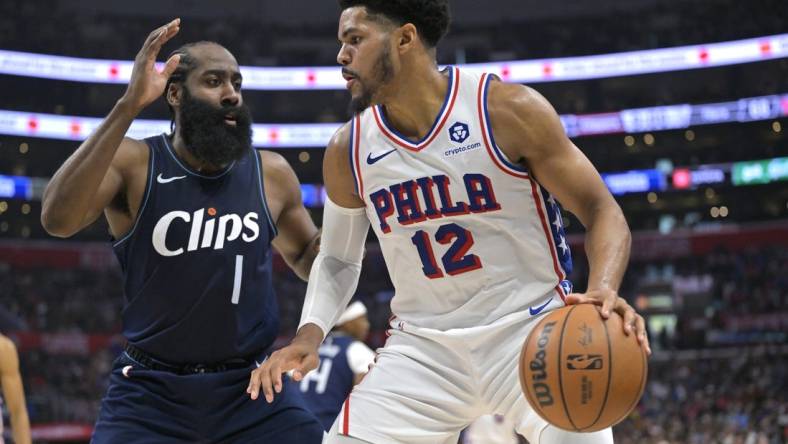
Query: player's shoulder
column 337, row 173
column 131, row 146
column 9, row 359
column 132, row 152
column 359, row 356
column 272, row 161
column 522, row 117
column 6, row 346
column 340, row 141
column 514, row 98
column 276, row 168
column 336, row 153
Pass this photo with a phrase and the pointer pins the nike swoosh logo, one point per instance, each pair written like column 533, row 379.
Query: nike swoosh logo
column 537, row 310
column 169, row 179
column 371, row 160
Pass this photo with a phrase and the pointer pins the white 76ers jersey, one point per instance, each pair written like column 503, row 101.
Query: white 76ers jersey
column 467, row 235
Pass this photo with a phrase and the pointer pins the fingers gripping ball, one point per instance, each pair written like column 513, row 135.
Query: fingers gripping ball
column 582, row 373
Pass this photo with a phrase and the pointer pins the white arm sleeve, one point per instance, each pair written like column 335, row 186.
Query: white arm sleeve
column 334, row 275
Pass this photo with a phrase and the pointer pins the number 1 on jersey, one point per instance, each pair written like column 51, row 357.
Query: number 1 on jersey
column 239, row 271
column 456, row 260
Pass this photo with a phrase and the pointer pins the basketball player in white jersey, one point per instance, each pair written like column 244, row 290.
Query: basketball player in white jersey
column 451, row 168
column 13, row 393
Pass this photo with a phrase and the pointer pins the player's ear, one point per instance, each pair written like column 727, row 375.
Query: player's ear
column 174, row 94
column 406, row 37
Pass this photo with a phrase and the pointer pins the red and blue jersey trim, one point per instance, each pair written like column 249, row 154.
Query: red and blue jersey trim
column 353, row 153
column 555, row 222
column 497, row 156
column 541, row 209
column 448, row 104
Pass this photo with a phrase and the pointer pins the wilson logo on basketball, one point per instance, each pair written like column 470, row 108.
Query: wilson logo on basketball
column 538, row 366
column 584, row 362
column 205, row 233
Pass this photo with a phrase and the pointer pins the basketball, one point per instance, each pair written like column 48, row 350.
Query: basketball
column 580, row 372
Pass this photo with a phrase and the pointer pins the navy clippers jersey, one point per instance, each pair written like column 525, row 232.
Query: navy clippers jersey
column 326, row 388
column 197, row 262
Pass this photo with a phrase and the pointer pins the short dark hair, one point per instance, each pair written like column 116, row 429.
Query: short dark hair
column 186, row 65
column 431, row 17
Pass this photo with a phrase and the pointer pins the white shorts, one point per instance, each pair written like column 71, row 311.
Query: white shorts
column 428, row 385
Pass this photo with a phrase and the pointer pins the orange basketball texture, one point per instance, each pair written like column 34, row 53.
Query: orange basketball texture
column 580, row 372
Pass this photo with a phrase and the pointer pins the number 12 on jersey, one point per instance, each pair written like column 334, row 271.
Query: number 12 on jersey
column 456, row 260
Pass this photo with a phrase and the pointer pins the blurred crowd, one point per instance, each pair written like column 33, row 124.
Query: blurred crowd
column 721, row 298
column 738, row 399
column 102, row 35
column 750, row 281
column 62, row 301
column 65, row 388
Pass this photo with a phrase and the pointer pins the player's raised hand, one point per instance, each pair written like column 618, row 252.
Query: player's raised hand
column 300, row 356
column 146, row 83
column 609, row 300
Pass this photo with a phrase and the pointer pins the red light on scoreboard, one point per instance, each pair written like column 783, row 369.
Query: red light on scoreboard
column 682, row 179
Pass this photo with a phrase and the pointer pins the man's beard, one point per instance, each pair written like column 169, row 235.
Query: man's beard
column 207, row 135
column 382, row 73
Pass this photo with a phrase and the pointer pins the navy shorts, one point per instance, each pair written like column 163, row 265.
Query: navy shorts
column 150, row 406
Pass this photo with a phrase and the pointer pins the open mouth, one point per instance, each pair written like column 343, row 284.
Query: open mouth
column 230, row 120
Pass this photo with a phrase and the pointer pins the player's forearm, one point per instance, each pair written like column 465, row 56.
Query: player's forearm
column 607, row 244
column 20, row 425
column 334, row 275
column 332, row 283
column 302, row 265
column 67, row 197
column 311, row 334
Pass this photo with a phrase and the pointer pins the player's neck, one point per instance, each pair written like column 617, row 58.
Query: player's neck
column 190, row 159
column 415, row 100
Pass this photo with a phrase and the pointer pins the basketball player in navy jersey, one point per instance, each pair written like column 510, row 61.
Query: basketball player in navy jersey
column 194, row 215
column 459, row 175
column 344, row 360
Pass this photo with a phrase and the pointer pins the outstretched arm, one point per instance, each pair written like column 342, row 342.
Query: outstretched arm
column 13, row 391
column 529, row 131
column 345, row 227
column 94, row 175
column 332, row 280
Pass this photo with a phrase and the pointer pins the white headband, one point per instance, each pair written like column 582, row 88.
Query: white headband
column 353, row 311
